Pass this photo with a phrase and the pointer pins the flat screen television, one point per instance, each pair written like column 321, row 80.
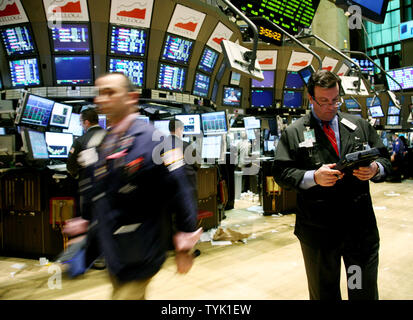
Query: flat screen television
column 18, row 40
column 177, row 49
column 133, row 69
column 393, row 120
column 292, row 99
column 235, row 78
column 58, row 144
column 201, row 84
column 252, row 123
column 127, row 41
column 71, row 38
column 75, row 126
column 211, row 147
column 376, row 111
column 373, row 101
column 404, row 76
column 34, row 110
column 214, row 122
column 24, row 73
column 162, row 126
column 232, row 96
column 352, row 104
column 35, row 143
column 374, row 11
column 306, row 73
column 192, row 123
column 60, row 116
column 262, row 97
column 268, row 82
column 293, row 81
column 393, row 111
column 171, row 77
column 73, row 70
column 208, row 60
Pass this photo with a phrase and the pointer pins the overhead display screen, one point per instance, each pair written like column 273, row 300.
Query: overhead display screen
column 24, row 72
column 171, row 77
column 17, row 40
column 290, row 15
column 208, row 60
column 127, row 41
column 73, row 38
column 134, row 69
column 404, row 76
column 177, row 49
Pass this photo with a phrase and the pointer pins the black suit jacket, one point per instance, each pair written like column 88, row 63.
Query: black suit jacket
column 326, row 216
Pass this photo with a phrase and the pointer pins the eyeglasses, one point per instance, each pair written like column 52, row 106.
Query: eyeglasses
column 336, row 103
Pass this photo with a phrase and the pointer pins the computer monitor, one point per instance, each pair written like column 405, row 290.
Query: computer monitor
column 58, row 144
column 24, row 73
column 201, row 84
column 393, row 120
column 127, row 41
column 2, row 131
column 293, row 81
column 70, row 38
column 393, row 111
column 208, row 60
column 35, row 144
column 192, row 123
column 292, row 99
column 404, row 76
column 171, row 77
column 232, row 96
column 268, row 82
column 75, row 126
column 17, row 40
column 235, row 78
column 252, row 123
column 73, row 70
column 306, row 73
column 211, row 147
column 133, row 69
column 214, row 122
column 162, row 126
column 34, row 110
column 262, row 98
column 376, row 111
column 60, row 116
column 177, row 49
column 352, row 104
column 102, row 121
column 374, row 11
column 373, row 101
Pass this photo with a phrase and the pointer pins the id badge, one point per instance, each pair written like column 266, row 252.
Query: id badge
column 309, row 135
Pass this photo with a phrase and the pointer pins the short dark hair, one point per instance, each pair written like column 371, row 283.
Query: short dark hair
column 91, row 115
column 128, row 83
column 175, row 124
column 324, row 79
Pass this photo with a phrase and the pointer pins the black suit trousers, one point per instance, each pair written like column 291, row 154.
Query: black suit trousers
column 323, row 267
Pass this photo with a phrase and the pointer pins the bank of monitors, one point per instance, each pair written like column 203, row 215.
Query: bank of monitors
column 133, row 69
column 208, row 60
column 177, row 49
column 24, row 72
column 58, row 144
column 171, row 77
column 72, row 38
column 192, row 123
column 73, row 70
column 293, row 81
column 201, row 84
column 75, row 126
column 292, row 99
column 162, row 126
column 211, row 147
column 35, row 144
column 60, row 116
column 127, row 41
column 214, row 122
column 393, row 120
column 262, row 97
column 34, row 110
column 18, row 40
column 232, row 96
column 268, row 82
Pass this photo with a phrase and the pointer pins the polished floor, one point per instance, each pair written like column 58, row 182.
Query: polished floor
column 265, row 266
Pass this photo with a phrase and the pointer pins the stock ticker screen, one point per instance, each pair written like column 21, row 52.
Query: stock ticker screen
column 17, row 40
column 127, row 41
column 71, row 38
column 290, row 15
column 134, row 69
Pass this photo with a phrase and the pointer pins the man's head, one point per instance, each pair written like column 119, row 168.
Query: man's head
column 176, row 127
column 88, row 118
column 324, row 94
column 116, row 97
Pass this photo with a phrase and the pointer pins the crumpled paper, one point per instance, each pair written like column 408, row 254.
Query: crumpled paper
column 229, row 235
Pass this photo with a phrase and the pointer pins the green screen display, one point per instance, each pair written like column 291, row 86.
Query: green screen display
column 288, row 14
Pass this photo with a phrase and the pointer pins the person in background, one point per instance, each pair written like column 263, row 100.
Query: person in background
column 135, row 185
column 397, row 158
column 334, row 215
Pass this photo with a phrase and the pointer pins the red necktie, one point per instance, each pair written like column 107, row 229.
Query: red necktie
column 330, row 135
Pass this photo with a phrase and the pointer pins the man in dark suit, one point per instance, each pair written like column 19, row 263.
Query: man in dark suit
column 335, row 216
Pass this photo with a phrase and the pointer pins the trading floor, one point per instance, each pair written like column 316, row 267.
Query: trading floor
column 266, row 266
